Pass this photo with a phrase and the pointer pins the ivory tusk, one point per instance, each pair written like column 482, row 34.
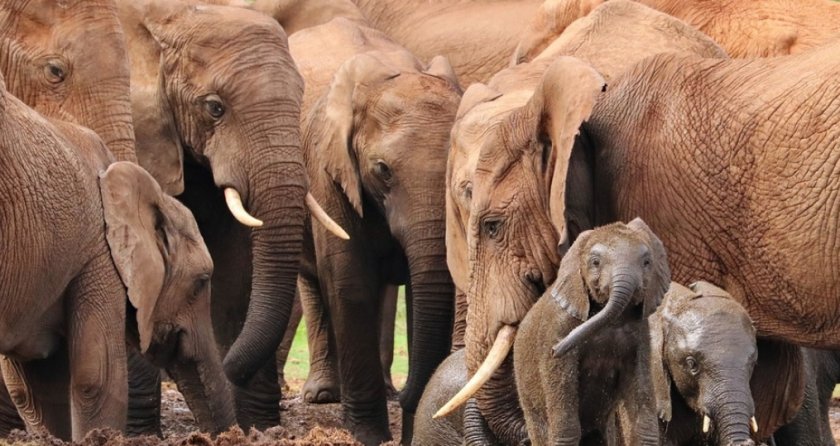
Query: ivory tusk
column 498, row 353
column 234, row 203
column 706, row 422
column 754, row 424
column 321, row 215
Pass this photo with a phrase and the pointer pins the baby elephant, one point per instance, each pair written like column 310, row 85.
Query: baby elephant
column 609, row 282
column 702, row 357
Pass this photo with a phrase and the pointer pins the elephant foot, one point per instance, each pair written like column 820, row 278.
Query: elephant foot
column 370, row 433
column 321, row 388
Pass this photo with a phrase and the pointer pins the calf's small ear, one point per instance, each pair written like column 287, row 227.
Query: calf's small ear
column 778, row 385
column 658, row 368
column 569, row 290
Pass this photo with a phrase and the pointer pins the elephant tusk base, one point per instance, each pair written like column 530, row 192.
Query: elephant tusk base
column 706, row 422
column 234, row 203
column 754, row 424
column 498, row 353
column 321, row 215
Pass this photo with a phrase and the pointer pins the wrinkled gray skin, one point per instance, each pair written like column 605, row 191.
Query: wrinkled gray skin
column 703, row 352
column 811, row 426
column 608, row 282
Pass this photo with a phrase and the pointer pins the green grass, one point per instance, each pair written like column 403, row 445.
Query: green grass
column 297, row 366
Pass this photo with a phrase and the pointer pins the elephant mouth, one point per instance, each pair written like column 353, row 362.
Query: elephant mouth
column 165, row 347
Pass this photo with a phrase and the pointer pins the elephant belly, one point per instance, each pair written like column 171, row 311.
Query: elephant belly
column 36, row 341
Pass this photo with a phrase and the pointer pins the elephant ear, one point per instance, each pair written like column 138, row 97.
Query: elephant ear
column 778, row 385
column 660, row 374
column 661, row 272
column 135, row 229
column 158, row 143
column 561, row 103
column 337, row 155
column 569, row 290
column 706, row 289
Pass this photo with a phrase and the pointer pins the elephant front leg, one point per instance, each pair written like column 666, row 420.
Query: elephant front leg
column 258, row 403
column 562, row 401
column 96, row 349
column 322, row 385
column 38, row 390
column 354, row 308
column 388, row 314
column 282, row 355
column 9, row 417
column 143, row 396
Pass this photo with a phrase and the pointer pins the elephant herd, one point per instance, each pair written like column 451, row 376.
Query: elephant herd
column 616, row 221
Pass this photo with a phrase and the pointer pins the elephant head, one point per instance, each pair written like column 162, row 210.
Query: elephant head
column 68, row 60
column 216, row 86
column 385, row 121
column 703, row 346
column 166, row 268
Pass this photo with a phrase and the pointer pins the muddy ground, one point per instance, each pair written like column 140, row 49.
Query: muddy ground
column 301, row 424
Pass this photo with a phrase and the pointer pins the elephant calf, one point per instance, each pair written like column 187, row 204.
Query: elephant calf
column 610, row 280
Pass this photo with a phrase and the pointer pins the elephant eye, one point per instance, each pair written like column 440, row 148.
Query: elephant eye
column 214, row 106
column 55, row 72
column 595, row 261
column 691, row 365
column 382, row 170
column 201, row 283
column 492, row 227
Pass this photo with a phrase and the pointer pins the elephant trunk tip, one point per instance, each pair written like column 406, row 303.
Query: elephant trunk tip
column 236, row 371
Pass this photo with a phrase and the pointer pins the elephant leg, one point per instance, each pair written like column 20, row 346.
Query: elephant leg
column 562, row 407
column 388, row 312
column 9, row 417
column 322, row 385
column 258, row 404
column 354, row 304
column 39, row 391
column 143, row 396
column 459, row 326
column 288, row 339
column 96, row 348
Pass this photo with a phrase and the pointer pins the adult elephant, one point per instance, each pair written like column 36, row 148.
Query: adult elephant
column 216, row 106
column 375, row 126
column 759, row 28
column 735, row 204
column 501, row 281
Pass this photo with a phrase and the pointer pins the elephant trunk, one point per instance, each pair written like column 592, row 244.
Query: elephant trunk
column 622, row 287
column 110, row 117
column 199, row 377
column 276, row 191
column 432, row 294
column 732, row 415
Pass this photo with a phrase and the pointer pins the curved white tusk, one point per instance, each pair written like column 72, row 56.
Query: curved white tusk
column 321, row 215
column 234, row 203
column 706, row 422
column 498, row 353
column 754, row 424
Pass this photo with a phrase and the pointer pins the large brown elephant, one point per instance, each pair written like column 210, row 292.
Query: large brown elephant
column 729, row 161
column 375, row 126
column 758, row 28
column 52, row 55
column 216, row 105
column 61, row 295
column 503, row 279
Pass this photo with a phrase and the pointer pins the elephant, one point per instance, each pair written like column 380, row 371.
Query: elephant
column 61, row 294
column 584, row 347
column 52, row 55
column 375, row 125
column 704, row 358
column 216, row 106
column 502, row 281
column 734, row 204
column 811, row 426
column 761, row 28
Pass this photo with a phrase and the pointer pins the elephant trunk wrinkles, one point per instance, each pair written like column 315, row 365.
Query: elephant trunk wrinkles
column 432, row 295
column 731, row 416
column 276, row 196
column 200, row 379
column 622, row 287
column 113, row 124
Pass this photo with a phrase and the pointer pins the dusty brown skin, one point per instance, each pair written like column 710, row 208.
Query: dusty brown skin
column 216, row 104
column 53, row 321
column 760, row 28
column 375, row 127
column 501, row 166
column 583, row 348
column 52, row 55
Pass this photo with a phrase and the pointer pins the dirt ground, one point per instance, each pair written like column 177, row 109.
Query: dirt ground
column 301, row 424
